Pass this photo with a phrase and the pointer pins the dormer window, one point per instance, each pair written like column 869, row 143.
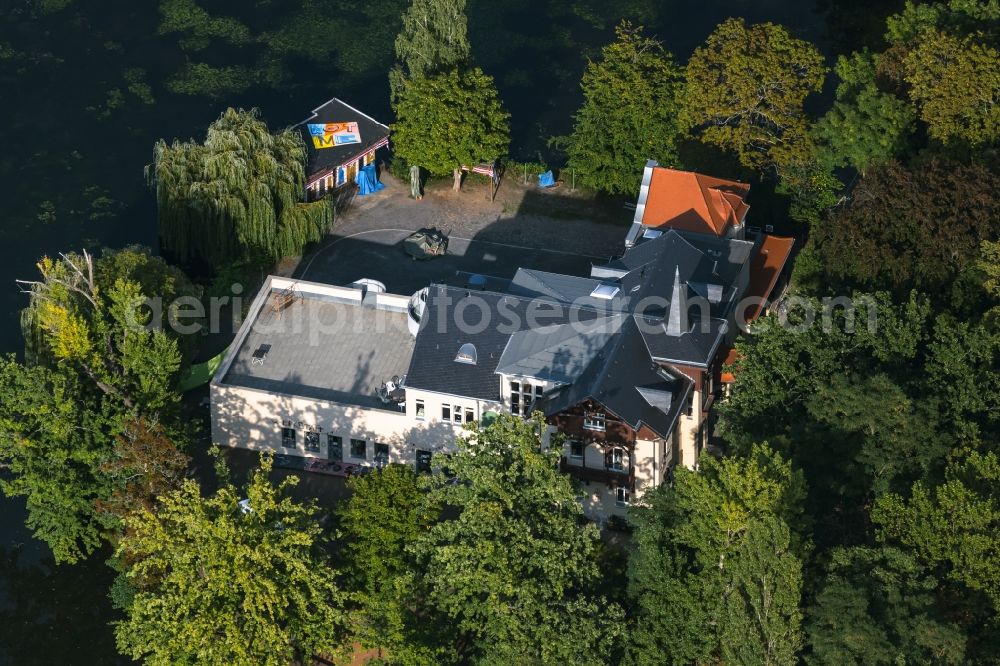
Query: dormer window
column 594, row 421
column 466, row 354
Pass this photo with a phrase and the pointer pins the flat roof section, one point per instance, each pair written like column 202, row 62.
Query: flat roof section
column 323, row 348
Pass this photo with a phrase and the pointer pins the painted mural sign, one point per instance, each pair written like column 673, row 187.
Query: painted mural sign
column 330, row 135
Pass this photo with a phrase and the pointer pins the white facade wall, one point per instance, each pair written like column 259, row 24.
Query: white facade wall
column 252, row 419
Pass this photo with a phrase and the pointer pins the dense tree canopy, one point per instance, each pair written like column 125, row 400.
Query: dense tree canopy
column 434, row 37
column 865, row 126
column 952, row 527
column 914, row 226
column 717, row 571
column 510, row 562
column 745, row 92
column 879, row 606
column 68, row 424
column 237, row 196
column 450, row 120
column 629, row 113
column 216, row 582
column 956, row 85
column 385, row 515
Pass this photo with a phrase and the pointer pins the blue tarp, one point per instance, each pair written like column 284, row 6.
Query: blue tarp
column 546, row 179
column 367, row 180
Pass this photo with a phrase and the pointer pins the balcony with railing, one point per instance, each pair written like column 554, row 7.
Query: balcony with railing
column 610, row 476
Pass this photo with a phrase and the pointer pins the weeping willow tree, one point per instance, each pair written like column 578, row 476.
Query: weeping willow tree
column 236, row 197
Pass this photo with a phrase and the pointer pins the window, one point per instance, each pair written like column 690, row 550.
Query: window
column 622, row 496
column 334, row 447
column 469, row 415
column 421, row 412
column 457, row 414
column 466, row 354
column 446, row 412
column 381, row 454
column 359, row 448
column 289, row 438
column 522, row 396
column 617, row 460
column 423, row 461
column 575, row 449
column 312, row 442
column 689, row 408
column 593, row 421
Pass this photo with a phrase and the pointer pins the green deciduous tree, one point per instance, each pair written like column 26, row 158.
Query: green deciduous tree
column 216, row 583
column 51, row 445
column 865, row 126
column 850, row 405
column 434, row 37
column 952, row 527
column 65, row 423
column 449, row 120
column 385, row 515
column 909, row 227
column 629, row 113
column 880, row 606
column 237, row 196
column 510, row 563
column 955, row 82
column 745, row 92
column 717, row 570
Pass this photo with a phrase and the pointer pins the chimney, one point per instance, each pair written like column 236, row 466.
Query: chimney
column 677, row 317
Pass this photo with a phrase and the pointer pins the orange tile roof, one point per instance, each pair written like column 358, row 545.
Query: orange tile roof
column 694, row 202
column 731, row 358
column 765, row 267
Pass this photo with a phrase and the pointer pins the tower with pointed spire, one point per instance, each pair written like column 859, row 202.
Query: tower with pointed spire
column 676, row 323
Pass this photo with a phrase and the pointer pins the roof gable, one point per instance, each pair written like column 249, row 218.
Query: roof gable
column 693, row 202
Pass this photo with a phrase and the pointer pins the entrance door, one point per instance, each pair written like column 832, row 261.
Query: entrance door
column 423, row 461
column 334, row 448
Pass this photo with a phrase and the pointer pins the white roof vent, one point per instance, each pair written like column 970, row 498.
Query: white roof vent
column 466, row 354
column 605, row 291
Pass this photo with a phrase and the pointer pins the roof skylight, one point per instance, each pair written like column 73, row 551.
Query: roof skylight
column 605, row 291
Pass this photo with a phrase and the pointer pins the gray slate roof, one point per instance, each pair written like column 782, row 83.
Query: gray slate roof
column 558, row 353
column 621, row 378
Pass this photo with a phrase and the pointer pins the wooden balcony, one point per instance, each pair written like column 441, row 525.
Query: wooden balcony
column 610, row 477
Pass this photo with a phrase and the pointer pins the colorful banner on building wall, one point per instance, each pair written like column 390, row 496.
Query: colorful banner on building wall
column 330, row 135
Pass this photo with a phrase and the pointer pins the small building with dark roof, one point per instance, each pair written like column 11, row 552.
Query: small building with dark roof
column 340, row 139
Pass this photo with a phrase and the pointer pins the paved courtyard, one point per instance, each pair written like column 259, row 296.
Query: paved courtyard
column 493, row 239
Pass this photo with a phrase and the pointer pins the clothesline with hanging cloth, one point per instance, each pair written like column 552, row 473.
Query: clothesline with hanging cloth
column 492, row 170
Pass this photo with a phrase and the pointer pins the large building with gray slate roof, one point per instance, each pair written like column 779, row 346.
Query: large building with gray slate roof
column 625, row 362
